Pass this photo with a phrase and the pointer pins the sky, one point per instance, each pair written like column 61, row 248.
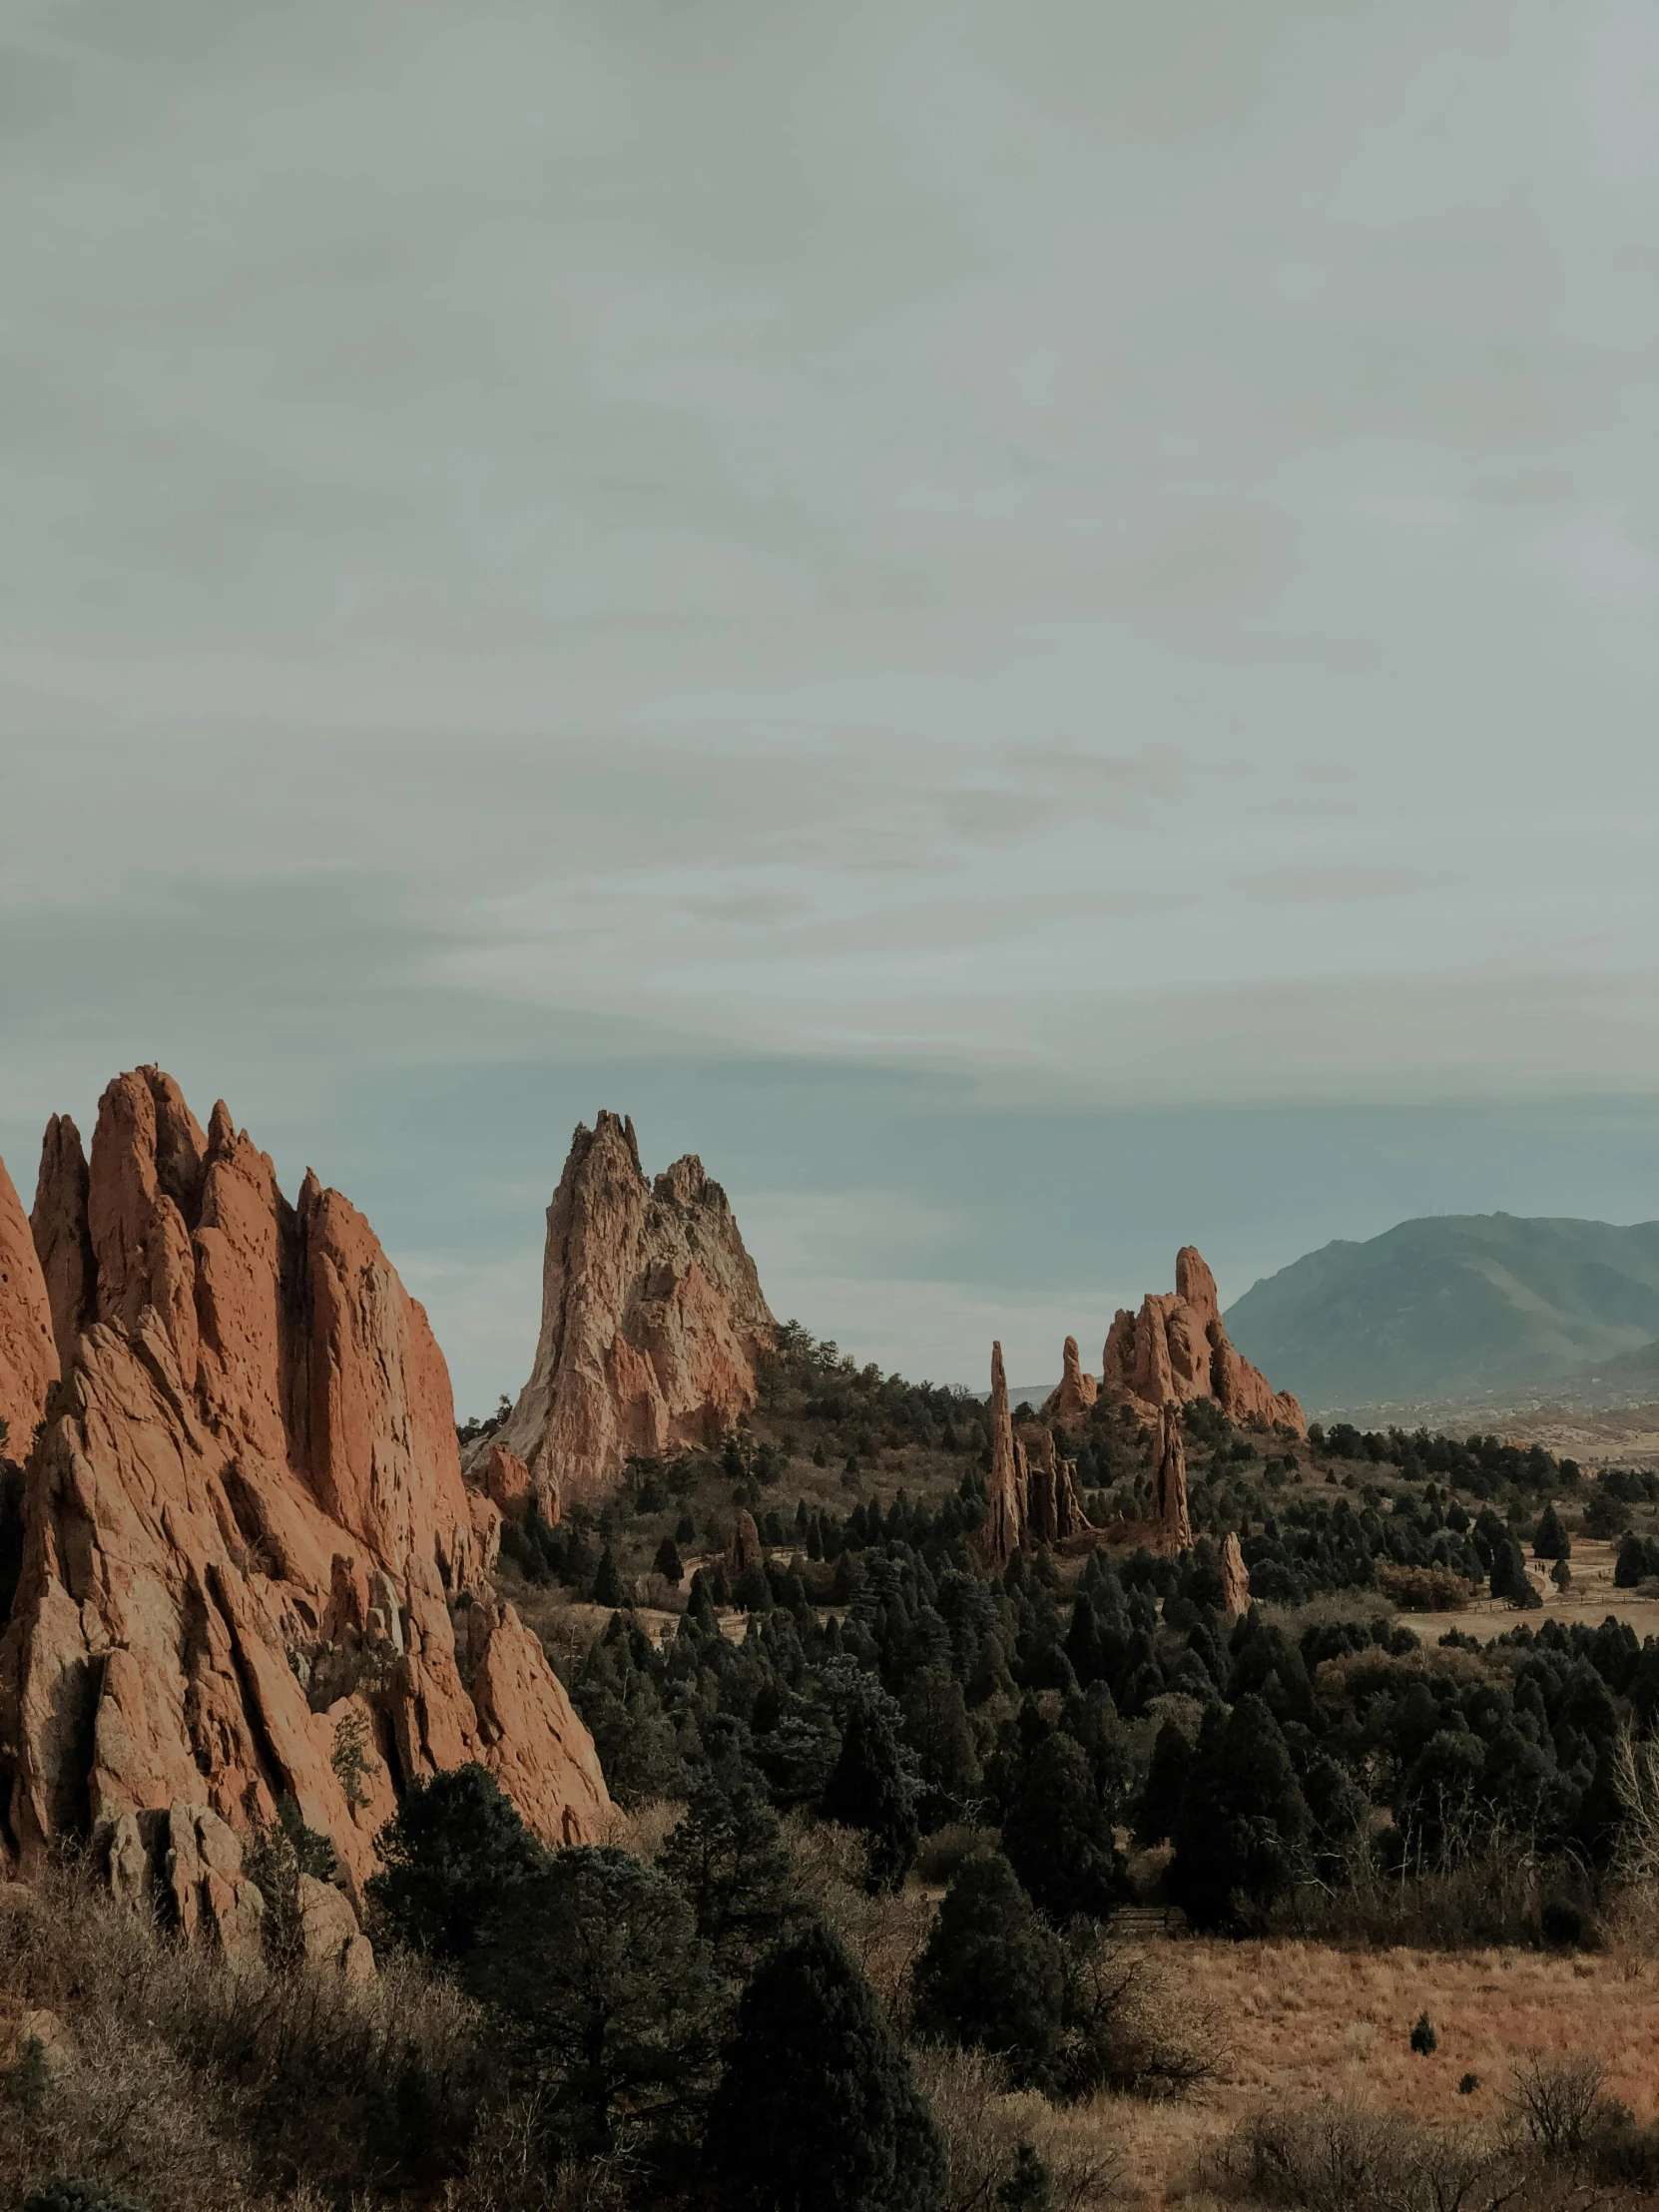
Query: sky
column 1035, row 629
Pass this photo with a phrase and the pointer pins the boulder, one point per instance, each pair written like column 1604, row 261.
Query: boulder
column 28, row 1350
column 248, row 1497
column 329, row 1937
column 652, row 1319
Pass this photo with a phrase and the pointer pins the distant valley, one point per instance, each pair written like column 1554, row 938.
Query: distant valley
column 1462, row 1305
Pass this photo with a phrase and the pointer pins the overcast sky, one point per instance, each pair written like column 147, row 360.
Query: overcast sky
column 1034, row 627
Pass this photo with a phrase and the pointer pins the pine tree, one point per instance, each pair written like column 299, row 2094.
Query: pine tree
column 599, row 1966
column 607, row 1583
column 1057, row 1835
column 669, row 1565
column 1027, row 2187
column 816, row 2111
column 991, row 1976
column 1241, row 1832
column 1166, row 1779
column 873, row 1785
column 728, row 1860
column 454, row 1854
column 1550, row 1540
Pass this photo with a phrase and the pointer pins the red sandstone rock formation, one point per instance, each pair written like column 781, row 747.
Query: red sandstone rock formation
column 1177, row 1349
column 1235, row 1576
column 1077, row 1391
column 28, row 1352
column 742, row 1546
column 246, row 1522
column 1031, row 1493
column 1053, row 1510
column 652, row 1318
column 1171, row 1520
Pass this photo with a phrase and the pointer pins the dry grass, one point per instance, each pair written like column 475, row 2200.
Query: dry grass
column 1308, row 2022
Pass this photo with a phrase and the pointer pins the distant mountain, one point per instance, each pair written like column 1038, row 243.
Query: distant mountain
column 1456, row 1303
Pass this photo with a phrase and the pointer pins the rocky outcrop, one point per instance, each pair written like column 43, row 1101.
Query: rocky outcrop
column 742, row 1546
column 1077, row 1390
column 652, row 1318
column 1030, row 1492
column 1176, row 1348
column 1235, row 1575
column 1172, row 1521
column 246, row 1534
column 28, row 1351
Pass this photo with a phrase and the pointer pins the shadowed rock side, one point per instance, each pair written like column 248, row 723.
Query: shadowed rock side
column 1176, row 1348
column 245, row 1522
column 1031, row 1493
column 652, row 1318
column 28, row 1351
column 1172, row 1523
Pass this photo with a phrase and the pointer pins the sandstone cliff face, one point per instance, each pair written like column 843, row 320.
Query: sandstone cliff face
column 652, row 1318
column 28, row 1351
column 1077, row 1390
column 247, row 1533
column 1176, row 1348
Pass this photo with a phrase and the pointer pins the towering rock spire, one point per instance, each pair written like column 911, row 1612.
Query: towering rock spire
column 28, row 1354
column 652, row 1318
column 1005, row 1488
column 1053, row 1510
column 1169, row 1483
column 1235, row 1575
column 246, row 1520
column 1077, row 1391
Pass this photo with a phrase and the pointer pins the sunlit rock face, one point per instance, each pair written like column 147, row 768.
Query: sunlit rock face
column 248, row 1541
column 652, row 1320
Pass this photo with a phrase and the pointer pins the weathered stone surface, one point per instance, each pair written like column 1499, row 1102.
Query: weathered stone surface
column 1235, row 1575
column 1176, row 1348
column 742, row 1546
column 62, row 1235
column 28, row 1351
column 1005, row 1487
column 330, row 1939
column 1053, row 1512
column 1077, row 1390
column 652, row 1318
column 246, row 1518
column 1170, row 1514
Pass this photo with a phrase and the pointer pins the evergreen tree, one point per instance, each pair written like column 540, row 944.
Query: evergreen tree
column 990, row 1977
column 455, row 1852
column 1509, row 1576
column 728, row 1860
column 1027, row 2187
column 873, row 1785
column 816, row 2111
column 1057, row 1835
column 1549, row 1539
column 600, row 1969
column 669, row 1565
column 607, row 1583
column 1240, row 1833
column 1166, row 1781
column 936, row 1729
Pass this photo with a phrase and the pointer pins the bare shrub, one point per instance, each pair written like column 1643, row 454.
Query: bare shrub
column 1636, row 1786
column 886, row 1933
column 944, row 1849
column 1334, row 2157
column 1130, row 2029
column 983, row 2123
column 190, row 2082
column 1556, row 2103
column 643, row 1830
column 1480, row 1892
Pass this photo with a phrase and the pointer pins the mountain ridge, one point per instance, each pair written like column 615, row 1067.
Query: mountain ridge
column 1449, row 1303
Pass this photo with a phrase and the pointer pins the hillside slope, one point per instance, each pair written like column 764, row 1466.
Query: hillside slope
column 1453, row 1302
